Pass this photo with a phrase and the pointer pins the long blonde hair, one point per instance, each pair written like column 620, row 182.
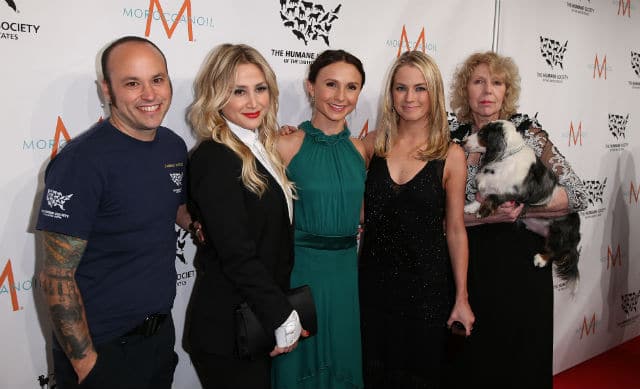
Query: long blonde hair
column 213, row 87
column 438, row 142
column 500, row 66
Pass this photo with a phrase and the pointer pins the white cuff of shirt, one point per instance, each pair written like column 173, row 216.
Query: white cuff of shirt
column 289, row 332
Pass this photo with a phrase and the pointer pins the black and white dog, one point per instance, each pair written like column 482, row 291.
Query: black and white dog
column 510, row 171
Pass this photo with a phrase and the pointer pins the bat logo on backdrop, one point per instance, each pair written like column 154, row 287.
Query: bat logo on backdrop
column 618, row 125
column 553, row 51
column 307, row 20
column 595, row 191
column 181, row 242
column 635, row 63
column 630, row 302
column 12, row 4
column 57, row 199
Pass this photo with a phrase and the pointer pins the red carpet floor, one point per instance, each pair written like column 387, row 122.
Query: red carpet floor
column 618, row 368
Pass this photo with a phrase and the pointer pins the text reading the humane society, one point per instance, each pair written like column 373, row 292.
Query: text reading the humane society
column 294, row 57
column 11, row 30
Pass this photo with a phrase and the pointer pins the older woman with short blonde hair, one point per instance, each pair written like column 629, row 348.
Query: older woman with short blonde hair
column 512, row 299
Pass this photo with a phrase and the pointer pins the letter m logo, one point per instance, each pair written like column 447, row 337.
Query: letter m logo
column 364, row 131
column 588, row 328
column 614, row 259
column 625, row 8
column 186, row 5
column 60, row 129
column 633, row 193
column 600, row 69
column 576, row 137
column 7, row 274
column 404, row 41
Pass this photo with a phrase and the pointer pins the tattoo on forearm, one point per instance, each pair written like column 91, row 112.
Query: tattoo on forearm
column 62, row 256
column 63, row 251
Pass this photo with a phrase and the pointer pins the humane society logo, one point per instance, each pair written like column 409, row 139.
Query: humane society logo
column 553, row 51
column 580, row 9
column 184, row 271
column 618, row 129
column 629, row 305
column 595, row 197
column 176, row 178
column 635, row 63
column 12, row 4
column 308, row 22
column 14, row 30
column 635, row 66
column 56, row 199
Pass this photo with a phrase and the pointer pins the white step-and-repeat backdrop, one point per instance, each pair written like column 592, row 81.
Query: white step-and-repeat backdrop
column 580, row 67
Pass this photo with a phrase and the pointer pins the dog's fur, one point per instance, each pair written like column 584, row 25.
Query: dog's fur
column 510, row 171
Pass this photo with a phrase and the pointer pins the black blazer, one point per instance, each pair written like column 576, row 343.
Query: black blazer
column 248, row 255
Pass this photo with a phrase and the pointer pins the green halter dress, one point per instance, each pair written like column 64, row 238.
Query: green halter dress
column 329, row 174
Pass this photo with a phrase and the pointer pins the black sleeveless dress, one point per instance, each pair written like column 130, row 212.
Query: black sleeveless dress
column 406, row 284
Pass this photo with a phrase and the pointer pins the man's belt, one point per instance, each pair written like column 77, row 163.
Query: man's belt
column 149, row 326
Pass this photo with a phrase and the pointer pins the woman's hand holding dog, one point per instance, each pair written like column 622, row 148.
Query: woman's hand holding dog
column 507, row 212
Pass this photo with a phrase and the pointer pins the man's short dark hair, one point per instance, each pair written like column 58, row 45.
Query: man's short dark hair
column 107, row 52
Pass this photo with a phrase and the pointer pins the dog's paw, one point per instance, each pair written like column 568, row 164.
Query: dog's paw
column 472, row 207
column 539, row 261
column 484, row 211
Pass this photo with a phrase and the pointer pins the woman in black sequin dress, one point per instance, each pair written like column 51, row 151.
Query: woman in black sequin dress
column 413, row 261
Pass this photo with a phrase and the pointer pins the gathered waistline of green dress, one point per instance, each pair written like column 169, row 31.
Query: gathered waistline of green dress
column 324, row 242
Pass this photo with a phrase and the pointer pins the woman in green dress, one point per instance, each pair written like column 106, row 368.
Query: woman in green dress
column 328, row 168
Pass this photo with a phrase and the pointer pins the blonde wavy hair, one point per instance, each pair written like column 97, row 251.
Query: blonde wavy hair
column 213, row 87
column 500, row 66
column 438, row 142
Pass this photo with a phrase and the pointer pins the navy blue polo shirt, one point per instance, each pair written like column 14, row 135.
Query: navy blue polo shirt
column 121, row 195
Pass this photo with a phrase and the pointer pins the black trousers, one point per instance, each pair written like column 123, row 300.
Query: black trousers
column 127, row 362
column 222, row 372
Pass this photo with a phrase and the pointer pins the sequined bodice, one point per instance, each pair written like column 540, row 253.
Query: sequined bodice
column 404, row 243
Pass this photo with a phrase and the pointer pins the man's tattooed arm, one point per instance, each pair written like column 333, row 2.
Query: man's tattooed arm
column 62, row 256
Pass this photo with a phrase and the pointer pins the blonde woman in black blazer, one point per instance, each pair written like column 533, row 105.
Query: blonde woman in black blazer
column 239, row 189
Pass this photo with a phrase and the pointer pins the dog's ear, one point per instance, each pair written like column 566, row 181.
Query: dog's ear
column 494, row 141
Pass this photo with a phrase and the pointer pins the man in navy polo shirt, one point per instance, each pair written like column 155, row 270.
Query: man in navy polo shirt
column 111, row 199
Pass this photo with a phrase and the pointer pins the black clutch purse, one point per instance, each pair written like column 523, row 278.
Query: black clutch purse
column 253, row 341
